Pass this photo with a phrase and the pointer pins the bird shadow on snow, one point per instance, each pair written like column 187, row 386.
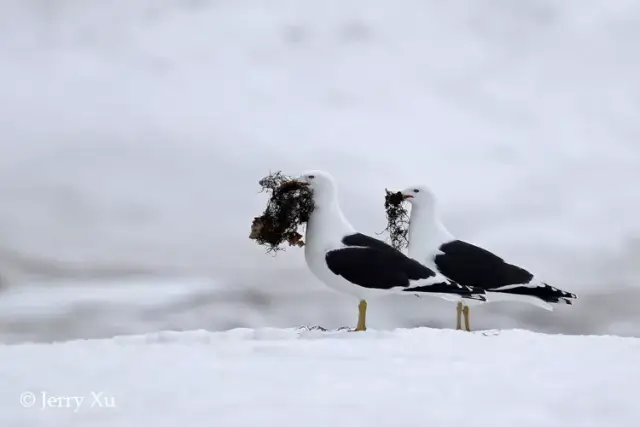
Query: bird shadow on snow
column 344, row 332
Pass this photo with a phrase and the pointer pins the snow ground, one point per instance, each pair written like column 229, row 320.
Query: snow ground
column 126, row 124
column 276, row 377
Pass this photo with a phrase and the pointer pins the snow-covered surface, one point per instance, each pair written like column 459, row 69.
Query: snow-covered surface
column 126, row 125
column 276, row 377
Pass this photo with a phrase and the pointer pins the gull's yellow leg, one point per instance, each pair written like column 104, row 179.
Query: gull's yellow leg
column 459, row 316
column 465, row 311
column 362, row 316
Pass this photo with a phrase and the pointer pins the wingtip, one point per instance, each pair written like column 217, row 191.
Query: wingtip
column 564, row 294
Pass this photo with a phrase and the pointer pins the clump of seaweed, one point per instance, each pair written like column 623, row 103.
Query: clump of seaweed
column 397, row 219
column 289, row 206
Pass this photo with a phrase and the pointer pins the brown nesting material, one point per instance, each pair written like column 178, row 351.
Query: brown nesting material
column 288, row 209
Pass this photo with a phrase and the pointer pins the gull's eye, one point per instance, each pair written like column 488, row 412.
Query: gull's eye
column 415, row 190
column 311, row 176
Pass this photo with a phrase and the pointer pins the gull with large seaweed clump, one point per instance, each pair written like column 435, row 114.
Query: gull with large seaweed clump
column 359, row 265
column 431, row 243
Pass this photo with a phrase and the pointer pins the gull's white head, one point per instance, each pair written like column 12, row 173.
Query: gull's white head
column 419, row 196
column 321, row 183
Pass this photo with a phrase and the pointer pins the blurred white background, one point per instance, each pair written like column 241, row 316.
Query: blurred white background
column 133, row 134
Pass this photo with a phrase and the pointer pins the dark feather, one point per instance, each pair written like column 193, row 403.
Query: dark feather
column 471, row 265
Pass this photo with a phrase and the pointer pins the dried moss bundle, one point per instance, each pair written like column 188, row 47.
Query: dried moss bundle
column 289, row 207
column 397, row 219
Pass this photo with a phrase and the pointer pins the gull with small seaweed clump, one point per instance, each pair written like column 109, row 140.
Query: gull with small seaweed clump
column 429, row 242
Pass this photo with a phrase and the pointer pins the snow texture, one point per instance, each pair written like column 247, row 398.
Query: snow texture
column 126, row 124
column 279, row 377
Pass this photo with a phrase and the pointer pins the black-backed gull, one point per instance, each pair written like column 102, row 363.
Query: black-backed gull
column 433, row 245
